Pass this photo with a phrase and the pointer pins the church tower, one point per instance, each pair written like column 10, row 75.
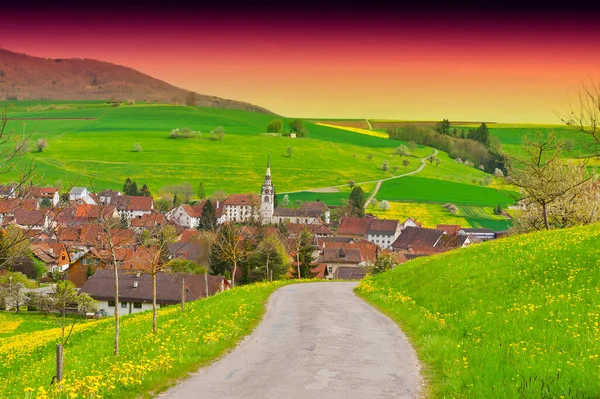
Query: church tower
column 267, row 197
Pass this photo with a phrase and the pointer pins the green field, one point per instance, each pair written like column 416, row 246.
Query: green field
column 430, row 215
column 422, row 189
column 512, row 318
column 99, row 151
column 146, row 362
column 24, row 322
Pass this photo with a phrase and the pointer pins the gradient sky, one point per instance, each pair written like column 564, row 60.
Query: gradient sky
column 394, row 63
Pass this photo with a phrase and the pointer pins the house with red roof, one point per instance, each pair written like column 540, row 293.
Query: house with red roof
column 132, row 207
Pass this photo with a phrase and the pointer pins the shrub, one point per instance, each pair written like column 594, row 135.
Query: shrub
column 41, row 144
column 137, row 147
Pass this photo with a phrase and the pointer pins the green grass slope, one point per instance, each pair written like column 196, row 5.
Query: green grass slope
column 92, row 142
column 146, row 363
column 515, row 318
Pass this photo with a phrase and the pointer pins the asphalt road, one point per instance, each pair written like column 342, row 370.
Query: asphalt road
column 317, row 340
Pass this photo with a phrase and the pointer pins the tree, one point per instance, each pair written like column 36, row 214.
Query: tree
column 200, row 191
column 45, row 203
column 369, row 156
column 403, row 150
column 289, row 151
column 383, row 263
column 583, row 114
column 208, row 218
column 405, row 163
column 190, row 99
column 155, row 243
column 394, row 168
column 481, row 134
column 356, row 202
column 498, row 173
column 443, row 127
column 275, row 126
column 183, row 191
column 65, row 297
column 384, row 166
column 162, row 205
column 384, row 205
column 123, row 221
column 145, row 191
column 286, row 200
column 181, row 268
column 351, row 183
column 296, row 126
column 544, row 179
column 130, row 187
column 270, row 258
column 303, row 248
column 219, row 132
column 12, row 289
column 230, row 249
column 137, row 147
column 41, row 144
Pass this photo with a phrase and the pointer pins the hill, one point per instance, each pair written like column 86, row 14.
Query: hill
column 517, row 317
column 23, row 77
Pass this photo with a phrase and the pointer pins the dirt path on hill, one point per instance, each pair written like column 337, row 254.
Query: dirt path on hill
column 317, row 340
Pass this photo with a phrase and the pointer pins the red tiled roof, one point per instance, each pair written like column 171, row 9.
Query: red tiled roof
column 135, row 203
column 242, row 199
column 354, row 226
column 449, row 228
column 379, row 226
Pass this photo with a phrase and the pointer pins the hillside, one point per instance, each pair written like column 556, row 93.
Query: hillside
column 23, row 77
column 517, row 317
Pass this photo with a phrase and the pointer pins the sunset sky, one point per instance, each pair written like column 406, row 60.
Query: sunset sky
column 385, row 63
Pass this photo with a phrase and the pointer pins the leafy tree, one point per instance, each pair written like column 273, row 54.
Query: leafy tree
column 384, row 166
column 219, row 132
column 56, row 303
column 176, row 200
column 130, row 187
column 200, row 191
column 303, row 249
column 289, row 151
column 383, row 263
column 443, row 127
column 190, row 99
column 394, row 168
column 548, row 185
column 137, row 147
column 12, row 289
column 384, row 205
column 356, row 202
column 403, row 150
column 286, row 200
column 481, row 134
column 369, row 156
column 270, row 259
column 405, row 163
column 351, row 183
column 296, row 126
column 208, row 218
column 45, row 203
column 41, row 144
column 275, row 126
column 145, row 191
column 162, row 205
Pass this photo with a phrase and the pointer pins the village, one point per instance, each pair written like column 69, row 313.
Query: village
column 81, row 235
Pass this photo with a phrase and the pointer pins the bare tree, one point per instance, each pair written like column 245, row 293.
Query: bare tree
column 542, row 175
column 182, row 268
column 230, row 247
column 583, row 113
column 155, row 245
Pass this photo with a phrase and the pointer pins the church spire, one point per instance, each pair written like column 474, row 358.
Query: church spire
column 268, row 173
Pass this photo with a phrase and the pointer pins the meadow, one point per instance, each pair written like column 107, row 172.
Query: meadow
column 430, row 215
column 516, row 317
column 147, row 363
column 14, row 324
column 91, row 143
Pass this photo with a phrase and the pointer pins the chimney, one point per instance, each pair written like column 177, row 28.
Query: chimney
column 135, row 284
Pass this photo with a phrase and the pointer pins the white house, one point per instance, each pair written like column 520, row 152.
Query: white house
column 241, row 207
column 383, row 232
column 185, row 215
column 81, row 194
column 134, row 207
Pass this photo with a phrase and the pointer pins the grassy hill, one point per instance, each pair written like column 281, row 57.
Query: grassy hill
column 92, row 142
column 517, row 317
column 23, row 77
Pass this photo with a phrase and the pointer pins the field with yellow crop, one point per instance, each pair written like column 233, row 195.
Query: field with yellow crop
column 513, row 318
column 146, row 362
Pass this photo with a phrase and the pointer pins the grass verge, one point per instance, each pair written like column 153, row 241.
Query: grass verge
column 515, row 318
column 147, row 363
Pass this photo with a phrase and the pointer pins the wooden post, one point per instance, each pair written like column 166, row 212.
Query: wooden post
column 59, row 362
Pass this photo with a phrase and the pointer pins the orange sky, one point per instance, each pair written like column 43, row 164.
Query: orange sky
column 457, row 67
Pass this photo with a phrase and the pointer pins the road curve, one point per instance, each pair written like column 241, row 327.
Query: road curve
column 317, row 340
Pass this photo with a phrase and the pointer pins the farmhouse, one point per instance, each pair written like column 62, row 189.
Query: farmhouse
column 39, row 193
column 416, row 237
column 242, row 207
column 380, row 232
column 131, row 207
column 135, row 290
